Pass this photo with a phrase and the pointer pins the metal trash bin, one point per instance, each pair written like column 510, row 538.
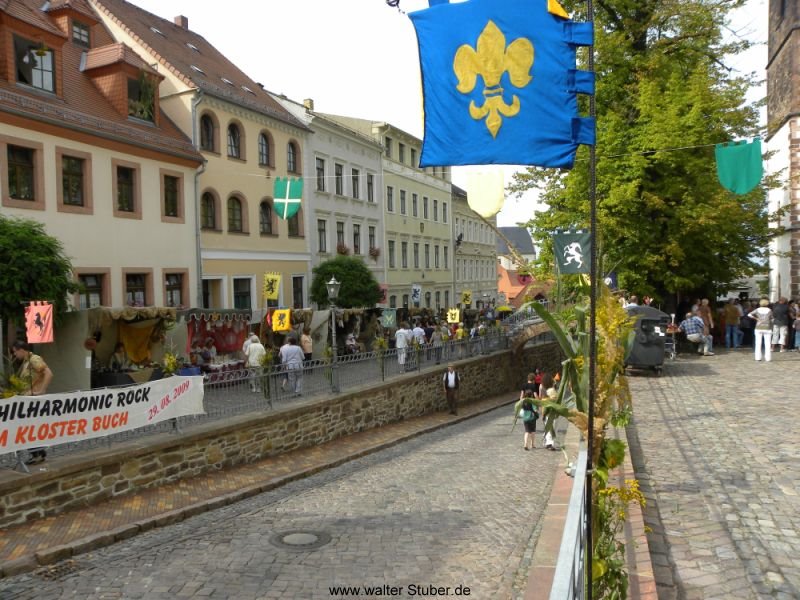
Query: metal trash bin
column 650, row 332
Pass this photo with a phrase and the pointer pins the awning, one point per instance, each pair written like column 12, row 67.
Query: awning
column 102, row 316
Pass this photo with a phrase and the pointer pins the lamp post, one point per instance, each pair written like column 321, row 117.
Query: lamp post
column 333, row 294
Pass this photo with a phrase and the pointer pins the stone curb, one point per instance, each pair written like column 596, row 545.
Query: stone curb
column 96, row 541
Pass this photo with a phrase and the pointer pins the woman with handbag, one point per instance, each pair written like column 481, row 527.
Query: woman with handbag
column 529, row 415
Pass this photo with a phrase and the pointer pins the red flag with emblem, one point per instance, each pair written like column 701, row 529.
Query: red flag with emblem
column 39, row 322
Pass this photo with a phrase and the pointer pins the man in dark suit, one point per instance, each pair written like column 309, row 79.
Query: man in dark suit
column 451, row 381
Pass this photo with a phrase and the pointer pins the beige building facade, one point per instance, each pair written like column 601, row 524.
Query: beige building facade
column 247, row 140
column 106, row 173
column 475, row 259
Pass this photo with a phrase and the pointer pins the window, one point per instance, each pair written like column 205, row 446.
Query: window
column 416, row 255
column 390, row 199
column 136, row 289
column 297, row 291
column 208, row 212
column 387, row 147
column 436, row 256
column 424, row 207
column 21, row 173
column 34, row 64
column 446, row 298
column 174, row 289
column 265, row 218
column 241, row 293
column 435, row 210
column 414, row 205
column 72, row 180
column 126, row 189
column 427, row 299
column 427, row 256
column 293, row 224
column 355, row 176
column 338, row 178
column 402, row 202
column 340, row 233
column 91, row 294
column 414, row 158
column 322, row 235
column 405, row 300
column 320, row 174
column 401, row 153
column 445, row 253
column 356, row 238
column 438, row 300
column 371, row 236
column 404, row 254
column 392, row 301
column 235, row 223
column 234, row 141
column 263, row 150
column 291, row 158
column 172, row 188
column 444, row 212
column 206, row 133
column 142, row 97
column 80, row 34
column 391, row 254
column 370, row 187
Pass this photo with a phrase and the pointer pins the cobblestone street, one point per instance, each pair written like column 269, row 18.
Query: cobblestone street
column 718, row 436
column 457, row 507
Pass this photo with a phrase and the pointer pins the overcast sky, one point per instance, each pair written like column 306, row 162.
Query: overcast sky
column 358, row 57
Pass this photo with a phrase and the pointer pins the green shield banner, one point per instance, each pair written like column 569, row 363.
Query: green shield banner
column 288, row 194
column 572, row 251
column 739, row 165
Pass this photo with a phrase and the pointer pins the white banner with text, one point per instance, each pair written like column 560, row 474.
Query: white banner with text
column 51, row 419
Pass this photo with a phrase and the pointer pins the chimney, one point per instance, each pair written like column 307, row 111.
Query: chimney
column 182, row 22
column 309, row 103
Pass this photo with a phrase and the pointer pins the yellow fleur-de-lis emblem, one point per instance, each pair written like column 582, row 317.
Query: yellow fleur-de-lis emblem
column 491, row 59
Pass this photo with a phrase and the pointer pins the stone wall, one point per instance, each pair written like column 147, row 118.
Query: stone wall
column 92, row 476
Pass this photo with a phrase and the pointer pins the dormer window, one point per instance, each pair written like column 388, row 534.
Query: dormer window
column 192, row 47
column 197, row 69
column 80, row 34
column 34, row 64
column 142, row 97
column 158, row 31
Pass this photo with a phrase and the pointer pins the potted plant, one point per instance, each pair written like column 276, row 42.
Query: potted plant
column 342, row 249
column 375, row 253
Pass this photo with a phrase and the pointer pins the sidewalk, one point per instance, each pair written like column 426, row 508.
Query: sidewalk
column 27, row 546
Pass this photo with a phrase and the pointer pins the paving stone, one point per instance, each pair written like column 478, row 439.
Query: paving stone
column 719, row 483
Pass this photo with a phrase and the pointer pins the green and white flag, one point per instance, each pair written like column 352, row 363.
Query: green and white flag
column 389, row 317
column 288, row 194
column 572, row 251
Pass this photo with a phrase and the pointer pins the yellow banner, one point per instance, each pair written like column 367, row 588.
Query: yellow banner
column 282, row 320
column 466, row 297
column 272, row 284
column 453, row 315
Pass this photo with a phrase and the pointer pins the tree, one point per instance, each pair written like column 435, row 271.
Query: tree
column 359, row 286
column 34, row 268
column 664, row 98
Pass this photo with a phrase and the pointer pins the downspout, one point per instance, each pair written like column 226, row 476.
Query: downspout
column 197, row 229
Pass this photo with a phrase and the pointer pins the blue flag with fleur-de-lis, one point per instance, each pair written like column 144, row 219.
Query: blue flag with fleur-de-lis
column 500, row 83
column 288, row 194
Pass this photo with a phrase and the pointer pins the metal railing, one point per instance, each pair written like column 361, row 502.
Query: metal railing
column 241, row 391
column 569, row 579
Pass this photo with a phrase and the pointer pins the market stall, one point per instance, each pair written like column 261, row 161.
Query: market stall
column 214, row 338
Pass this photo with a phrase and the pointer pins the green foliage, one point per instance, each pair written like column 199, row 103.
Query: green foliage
column 661, row 84
column 359, row 287
column 34, row 268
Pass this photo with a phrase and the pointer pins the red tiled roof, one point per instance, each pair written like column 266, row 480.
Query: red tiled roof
column 192, row 58
column 112, row 54
column 78, row 104
column 79, row 6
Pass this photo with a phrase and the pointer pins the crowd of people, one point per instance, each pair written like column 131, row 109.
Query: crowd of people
column 434, row 338
column 764, row 326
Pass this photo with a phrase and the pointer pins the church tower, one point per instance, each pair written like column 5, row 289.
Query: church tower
column 783, row 138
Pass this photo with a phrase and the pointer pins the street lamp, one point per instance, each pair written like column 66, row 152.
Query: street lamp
column 333, row 294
